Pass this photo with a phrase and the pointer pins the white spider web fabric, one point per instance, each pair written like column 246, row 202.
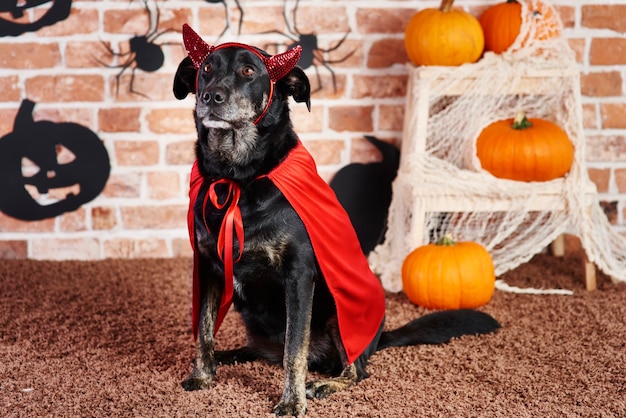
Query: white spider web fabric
column 440, row 176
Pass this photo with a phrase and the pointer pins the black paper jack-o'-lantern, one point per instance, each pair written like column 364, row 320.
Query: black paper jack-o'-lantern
column 14, row 23
column 49, row 168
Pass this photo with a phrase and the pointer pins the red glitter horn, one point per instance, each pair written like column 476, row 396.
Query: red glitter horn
column 196, row 48
column 280, row 65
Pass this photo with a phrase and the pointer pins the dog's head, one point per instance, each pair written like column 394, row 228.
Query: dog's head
column 241, row 100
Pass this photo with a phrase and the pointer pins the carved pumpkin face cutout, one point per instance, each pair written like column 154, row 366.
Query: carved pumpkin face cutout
column 49, row 168
column 14, row 19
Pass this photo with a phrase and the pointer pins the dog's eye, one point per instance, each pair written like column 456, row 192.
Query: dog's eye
column 207, row 68
column 248, row 71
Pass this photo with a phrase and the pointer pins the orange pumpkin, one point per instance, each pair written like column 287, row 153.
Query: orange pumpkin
column 525, row 149
column 449, row 275
column 443, row 36
column 501, row 24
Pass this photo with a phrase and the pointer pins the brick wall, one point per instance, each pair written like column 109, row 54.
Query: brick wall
column 141, row 212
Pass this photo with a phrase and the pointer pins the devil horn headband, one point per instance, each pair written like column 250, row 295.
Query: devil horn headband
column 277, row 66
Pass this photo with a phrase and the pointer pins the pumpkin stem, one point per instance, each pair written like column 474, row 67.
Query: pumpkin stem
column 446, row 5
column 521, row 121
column 512, row 1
column 446, row 240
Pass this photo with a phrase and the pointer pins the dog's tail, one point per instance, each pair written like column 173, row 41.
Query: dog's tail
column 438, row 328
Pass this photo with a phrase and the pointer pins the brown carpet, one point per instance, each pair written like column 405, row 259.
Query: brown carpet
column 112, row 339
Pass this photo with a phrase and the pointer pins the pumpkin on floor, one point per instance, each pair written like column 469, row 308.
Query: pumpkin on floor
column 449, row 275
column 443, row 36
column 525, row 149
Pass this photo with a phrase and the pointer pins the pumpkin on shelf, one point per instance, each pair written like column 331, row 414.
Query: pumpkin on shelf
column 525, row 149
column 449, row 275
column 443, row 36
column 502, row 22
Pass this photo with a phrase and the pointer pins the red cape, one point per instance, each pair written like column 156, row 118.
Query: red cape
column 358, row 294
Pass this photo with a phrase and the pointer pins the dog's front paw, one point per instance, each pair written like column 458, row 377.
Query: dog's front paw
column 195, row 382
column 290, row 409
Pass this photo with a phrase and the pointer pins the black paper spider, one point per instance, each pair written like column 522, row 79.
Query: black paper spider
column 311, row 52
column 227, row 20
column 143, row 52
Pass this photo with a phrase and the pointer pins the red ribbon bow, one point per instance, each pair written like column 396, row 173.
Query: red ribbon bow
column 232, row 225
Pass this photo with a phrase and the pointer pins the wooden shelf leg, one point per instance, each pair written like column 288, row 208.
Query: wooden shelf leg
column 558, row 246
column 590, row 273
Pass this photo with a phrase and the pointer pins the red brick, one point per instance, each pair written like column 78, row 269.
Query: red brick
column 601, row 177
column 383, row 20
column 181, row 248
column 177, row 121
column 9, row 224
column 131, row 21
column 135, row 248
column 180, row 153
column 326, row 152
column 10, row 88
column 601, row 84
column 256, row 20
column 164, row 185
column 73, row 221
column 364, row 152
column 7, row 120
column 620, row 179
column 604, row 17
column 147, row 86
column 29, row 55
column 14, row 249
column 154, row 217
column 387, row 52
column 103, row 217
column 123, row 185
column 65, row 88
column 136, row 153
column 590, row 116
column 119, row 119
column 319, row 20
column 80, row 21
column 351, row 118
column 606, row 148
column 305, row 121
column 608, row 51
column 391, row 117
column 81, row 116
column 379, row 87
column 349, row 54
column 613, row 115
column 65, row 249
column 327, row 90
column 212, row 21
column 87, row 55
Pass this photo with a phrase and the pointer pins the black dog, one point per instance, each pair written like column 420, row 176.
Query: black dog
column 307, row 298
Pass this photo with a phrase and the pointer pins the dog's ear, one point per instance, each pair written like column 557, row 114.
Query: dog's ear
column 185, row 79
column 298, row 86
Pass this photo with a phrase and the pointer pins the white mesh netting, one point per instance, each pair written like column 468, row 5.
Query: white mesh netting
column 440, row 187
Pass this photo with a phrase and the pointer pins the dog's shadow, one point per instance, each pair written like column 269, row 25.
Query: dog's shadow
column 364, row 190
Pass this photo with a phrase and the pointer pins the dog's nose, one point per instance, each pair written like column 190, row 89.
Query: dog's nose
column 216, row 96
